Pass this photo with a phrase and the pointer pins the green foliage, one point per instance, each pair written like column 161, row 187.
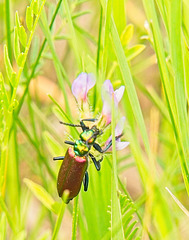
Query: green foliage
column 127, row 211
column 29, row 18
column 43, row 196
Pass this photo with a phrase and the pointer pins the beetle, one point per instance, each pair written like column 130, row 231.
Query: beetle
column 75, row 162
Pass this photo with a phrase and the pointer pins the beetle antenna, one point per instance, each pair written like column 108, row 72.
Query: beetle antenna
column 70, row 124
column 119, row 136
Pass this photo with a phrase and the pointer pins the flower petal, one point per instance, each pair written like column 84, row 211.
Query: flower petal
column 81, row 85
column 107, row 90
column 90, row 81
column 108, row 86
column 119, row 93
column 106, row 112
column 120, row 126
column 121, row 145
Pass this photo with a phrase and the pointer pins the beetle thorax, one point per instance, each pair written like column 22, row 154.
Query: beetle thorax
column 88, row 136
column 80, row 148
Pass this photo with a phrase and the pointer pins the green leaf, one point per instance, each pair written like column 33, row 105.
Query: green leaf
column 127, row 35
column 13, row 105
column 8, row 65
column 17, row 20
column 75, row 218
column 35, row 7
column 45, row 236
column 22, row 35
column 21, row 235
column 3, row 228
column 3, row 92
column 117, row 232
column 20, row 59
column 43, row 196
column 129, row 85
column 13, row 79
column 134, row 51
column 29, row 18
column 34, row 49
column 131, row 236
column 16, row 43
column 59, row 220
column 6, row 211
column 118, row 9
column 127, row 210
column 54, row 147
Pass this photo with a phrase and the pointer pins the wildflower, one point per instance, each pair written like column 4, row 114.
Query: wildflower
column 107, row 92
column 118, row 131
column 81, row 85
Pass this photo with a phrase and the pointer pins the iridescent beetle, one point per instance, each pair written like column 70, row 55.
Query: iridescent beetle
column 74, row 166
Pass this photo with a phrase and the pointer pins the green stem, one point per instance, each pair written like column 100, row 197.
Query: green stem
column 27, row 49
column 75, row 218
column 37, row 60
column 8, row 28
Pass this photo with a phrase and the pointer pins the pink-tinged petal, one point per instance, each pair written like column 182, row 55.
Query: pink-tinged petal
column 81, row 85
column 119, row 93
column 108, row 86
column 118, row 131
column 121, row 145
column 106, row 112
column 107, row 90
column 120, row 126
column 90, row 81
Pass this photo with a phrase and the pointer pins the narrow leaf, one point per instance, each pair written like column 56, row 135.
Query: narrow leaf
column 16, row 43
column 116, row 221
column 128, row 81
column 75, row 218
column 3, row 228
column 42, row 195
column 13, row 80
column 127, row 35
column 7, row 213
column 17, row 20
column 35, row 7
column 29, row 18
column 3, row 91
column 129, row 229
column 134, row 51
column 131, row 236
column 22, row 35
column 8, row 65
column 59, row 220
column 53, row 146
column 45, row 236
column 20, row 59
column 178, row 202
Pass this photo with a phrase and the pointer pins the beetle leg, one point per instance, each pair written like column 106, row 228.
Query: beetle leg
column 86, row 181
column 58, row 158
column 83, row 126
column 70, row 143
column 96, row 163
column 99, row 149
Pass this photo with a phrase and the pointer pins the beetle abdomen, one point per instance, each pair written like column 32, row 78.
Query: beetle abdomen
column 71, row 174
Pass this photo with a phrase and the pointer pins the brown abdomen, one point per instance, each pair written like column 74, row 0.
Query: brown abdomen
column 71, row 174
